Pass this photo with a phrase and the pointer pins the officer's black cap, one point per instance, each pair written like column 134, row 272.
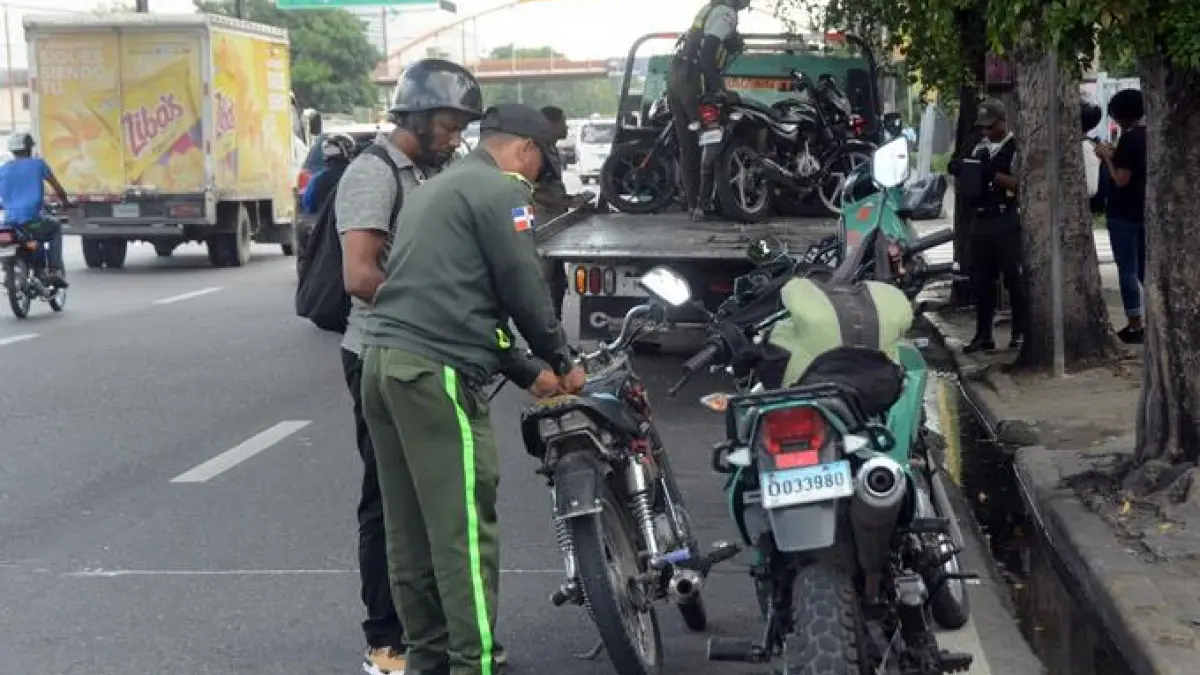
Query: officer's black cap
column 521, row 120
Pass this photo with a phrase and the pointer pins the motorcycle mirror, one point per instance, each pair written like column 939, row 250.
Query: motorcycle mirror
column 889, row 164
column 666, row 285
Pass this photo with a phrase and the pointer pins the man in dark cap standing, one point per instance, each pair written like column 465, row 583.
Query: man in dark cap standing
column 463, row 263
column 995, row 232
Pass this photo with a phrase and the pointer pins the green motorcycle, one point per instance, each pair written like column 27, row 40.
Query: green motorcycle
column 830, row 478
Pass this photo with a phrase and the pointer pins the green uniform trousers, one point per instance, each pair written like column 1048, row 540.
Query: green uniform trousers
column 438, row 475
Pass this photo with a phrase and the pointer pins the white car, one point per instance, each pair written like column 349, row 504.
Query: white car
column 592, row 147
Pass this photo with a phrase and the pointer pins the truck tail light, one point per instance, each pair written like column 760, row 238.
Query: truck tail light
column 581, row 286
column 302, row 180
column 709, row 114
column 793, row 436
column 595, row 280
column 610, row 281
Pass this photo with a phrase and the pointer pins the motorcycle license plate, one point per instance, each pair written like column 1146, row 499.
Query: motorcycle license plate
column 806, row 485
column 711, row 137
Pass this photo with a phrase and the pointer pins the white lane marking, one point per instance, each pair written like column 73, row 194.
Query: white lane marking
column 187, row 296
column 17, row 338
column 106, row 574
column 242, row 452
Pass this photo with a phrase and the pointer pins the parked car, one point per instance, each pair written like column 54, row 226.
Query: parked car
column 314, row 163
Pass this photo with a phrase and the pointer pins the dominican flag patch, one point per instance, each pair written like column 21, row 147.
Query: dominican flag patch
column 523, row 218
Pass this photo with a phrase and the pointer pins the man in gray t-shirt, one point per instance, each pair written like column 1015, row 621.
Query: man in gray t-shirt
column 433, row 102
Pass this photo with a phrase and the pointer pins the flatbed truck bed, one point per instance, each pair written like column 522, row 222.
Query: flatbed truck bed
column 604, row 255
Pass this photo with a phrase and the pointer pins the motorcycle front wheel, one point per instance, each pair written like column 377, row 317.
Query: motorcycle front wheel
column 743, row 192
column 606, row 551
column 16, row 282
column 637, row 179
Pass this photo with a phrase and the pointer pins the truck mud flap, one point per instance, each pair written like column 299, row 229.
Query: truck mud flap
column 577, row 486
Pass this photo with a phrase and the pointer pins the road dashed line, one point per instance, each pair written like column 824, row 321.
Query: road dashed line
column 241, row 452
column 187, row 296
column 14, row 339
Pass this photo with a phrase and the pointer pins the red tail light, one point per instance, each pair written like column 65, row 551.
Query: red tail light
column 709, row 114
column 794, row 436
column 302, row 179
column 857, row 123
column 596, row 280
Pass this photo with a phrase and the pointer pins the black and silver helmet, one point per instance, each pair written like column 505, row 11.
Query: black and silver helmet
column 436, row 84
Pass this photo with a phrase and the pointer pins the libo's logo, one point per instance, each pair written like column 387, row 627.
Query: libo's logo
column 142, row 125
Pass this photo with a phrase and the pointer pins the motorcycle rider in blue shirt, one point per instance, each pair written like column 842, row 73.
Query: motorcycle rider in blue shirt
column 22, row 193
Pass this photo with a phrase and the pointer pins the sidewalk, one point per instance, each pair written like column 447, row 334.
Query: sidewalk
column 1137, row 564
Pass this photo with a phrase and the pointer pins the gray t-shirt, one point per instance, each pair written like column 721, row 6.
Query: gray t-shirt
column 366, row 194
column 722, row 22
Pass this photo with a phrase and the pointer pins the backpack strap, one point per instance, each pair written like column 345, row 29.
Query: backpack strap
column 382, row 153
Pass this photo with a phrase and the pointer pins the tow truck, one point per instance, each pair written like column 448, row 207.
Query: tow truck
column 605, row 252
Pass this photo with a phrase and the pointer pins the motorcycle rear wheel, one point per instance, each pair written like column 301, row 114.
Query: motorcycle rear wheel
column 743, row 193
column 830, row 190
column 637, row 179
column 830, row 633
column 606, row 553
column 16, row 280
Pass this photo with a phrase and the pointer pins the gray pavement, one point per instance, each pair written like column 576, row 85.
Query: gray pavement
column 108, row 566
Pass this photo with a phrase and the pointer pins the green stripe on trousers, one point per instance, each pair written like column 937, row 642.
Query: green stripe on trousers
column 450, row 380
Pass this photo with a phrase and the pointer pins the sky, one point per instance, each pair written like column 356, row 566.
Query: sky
column 578, row 28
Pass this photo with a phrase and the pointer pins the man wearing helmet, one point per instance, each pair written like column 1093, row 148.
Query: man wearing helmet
column 338, row 150
column 702, row 55
column 465, row 262
column 23, row 196
column 433, row 102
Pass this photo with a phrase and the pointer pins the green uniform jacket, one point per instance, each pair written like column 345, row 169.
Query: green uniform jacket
column 463, row 262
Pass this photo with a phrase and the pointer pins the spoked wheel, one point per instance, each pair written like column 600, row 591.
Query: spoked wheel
column 16, row 282
column 841, row 167
column 636, row 179
column 743, row 192
column 609, row 571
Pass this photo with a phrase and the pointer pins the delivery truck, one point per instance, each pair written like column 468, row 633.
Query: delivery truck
column 167, row 129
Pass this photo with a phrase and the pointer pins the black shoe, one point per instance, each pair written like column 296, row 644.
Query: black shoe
column 1132, row 336
column 1017, row 342
column 980, row 344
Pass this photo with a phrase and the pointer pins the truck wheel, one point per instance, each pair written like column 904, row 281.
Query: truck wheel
column 164, row 249
column 114, row 253
column 93, row 253
column 232, row 249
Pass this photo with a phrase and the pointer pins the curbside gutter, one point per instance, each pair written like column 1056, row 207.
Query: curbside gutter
column 1112, row 581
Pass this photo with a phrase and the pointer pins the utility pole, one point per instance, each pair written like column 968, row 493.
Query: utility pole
column 239, row 9
column 12, row 90
column 142, row 6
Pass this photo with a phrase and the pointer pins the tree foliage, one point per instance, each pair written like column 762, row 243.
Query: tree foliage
column 332, row 60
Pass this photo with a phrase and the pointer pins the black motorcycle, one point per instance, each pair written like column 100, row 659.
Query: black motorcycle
column 619, row 516
column 642, row 176
column 25, row 261
column 807, row 144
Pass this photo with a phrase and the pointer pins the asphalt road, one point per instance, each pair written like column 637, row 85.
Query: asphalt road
column 112, row 562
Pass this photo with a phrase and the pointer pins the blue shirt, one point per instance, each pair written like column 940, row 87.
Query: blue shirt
column 22, row 189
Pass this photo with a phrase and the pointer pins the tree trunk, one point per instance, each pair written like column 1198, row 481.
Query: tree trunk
column 1085, row 316
column 1168, row 423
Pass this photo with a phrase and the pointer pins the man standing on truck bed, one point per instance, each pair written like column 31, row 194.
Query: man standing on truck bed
column 432, row 103
column 700, row 58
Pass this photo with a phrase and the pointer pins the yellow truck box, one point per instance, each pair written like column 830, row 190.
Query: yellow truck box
column 167, row 128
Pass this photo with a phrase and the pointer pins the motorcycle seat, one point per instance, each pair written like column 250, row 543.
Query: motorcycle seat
column 878, row 380
column 603, row 408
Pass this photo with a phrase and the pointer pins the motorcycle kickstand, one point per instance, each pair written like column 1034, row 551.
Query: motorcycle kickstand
column 593, row 653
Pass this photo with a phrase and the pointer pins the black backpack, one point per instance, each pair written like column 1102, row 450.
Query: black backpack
column 321, row 296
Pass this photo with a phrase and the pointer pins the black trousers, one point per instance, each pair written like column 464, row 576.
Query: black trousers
column 683, row 91
column 996, row 253
column 382, row 627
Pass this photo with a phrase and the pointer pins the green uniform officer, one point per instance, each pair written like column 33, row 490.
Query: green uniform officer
column 463, row 263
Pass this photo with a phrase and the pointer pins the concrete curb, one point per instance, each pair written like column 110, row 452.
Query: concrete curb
column 1113, row 582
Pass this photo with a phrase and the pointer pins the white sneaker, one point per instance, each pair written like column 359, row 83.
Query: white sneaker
column 384, row 661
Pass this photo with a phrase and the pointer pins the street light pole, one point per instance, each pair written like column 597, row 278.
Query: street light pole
column 142, row 6
column 12, row 90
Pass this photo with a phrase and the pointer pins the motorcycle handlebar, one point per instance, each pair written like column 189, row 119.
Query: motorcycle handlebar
column 701, row 359
column 932, row 241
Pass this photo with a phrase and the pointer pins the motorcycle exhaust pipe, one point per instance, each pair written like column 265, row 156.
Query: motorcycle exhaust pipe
column 777, row 174
column 684, row 585
column 879, row 496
